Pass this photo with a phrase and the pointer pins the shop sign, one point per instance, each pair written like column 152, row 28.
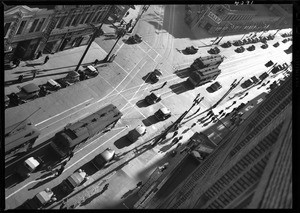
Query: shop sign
column 214, row 17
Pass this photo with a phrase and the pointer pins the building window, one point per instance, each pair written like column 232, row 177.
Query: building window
column 83, row 18
column 40, row 25
column 21, row 27
column 6, row 27
column 69, row 20
column 61, row 21
column 33, row 25
column 75, row 21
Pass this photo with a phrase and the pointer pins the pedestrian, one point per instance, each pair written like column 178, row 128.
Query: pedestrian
column 194, row 124
column 139, row 184
column 122, row 22
column 175, row 141
column 175, row 133
column 39, row 54
column 71, row 155
column 113, row 57
column 127, row 13
column 164, row 84
column 58, row 172
column 46, row 59
column 34, row 72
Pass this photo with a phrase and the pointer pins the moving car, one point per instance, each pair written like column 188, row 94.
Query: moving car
column 29, row 91
column 263, row 76
column 155, row 75
column 214, row 87
column 240, row 49
column 102, row 159
column 264, row 46
column 284, row 40
column 191, row 50
column 163, row 114
column 254, row 79
column 226, row 44
column 276, row 44
column 53, row 85
column 214, row 50
column 134, row 39
column 152, row 98
column 91, row 71
column 136, row 133
column 269, row 63
column 63, row 82
column 29, row 166
column 74, row 180
column 72, row 77
column 251, row 48
column 41, row 199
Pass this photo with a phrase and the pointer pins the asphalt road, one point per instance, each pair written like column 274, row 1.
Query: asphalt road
column 121, row 83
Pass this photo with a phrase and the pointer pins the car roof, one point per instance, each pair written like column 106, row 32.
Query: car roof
column 30, row 88
column 165, row 110
column 76, row 178
column 32, row 163
column 73, row 73
column 140, row 129
column 90, row 67
column 108, row 154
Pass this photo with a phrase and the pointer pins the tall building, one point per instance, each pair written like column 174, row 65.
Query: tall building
column 250, row 168
column 222, row 19
column 49, row 28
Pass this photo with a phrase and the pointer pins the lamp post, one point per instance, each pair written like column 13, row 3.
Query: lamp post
column 120, row 33
column 144, row 9
column 97, row 32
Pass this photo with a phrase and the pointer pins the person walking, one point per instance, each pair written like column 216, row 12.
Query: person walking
column 194, row 124
column 176, row 140
column 17, row 62
column 164, row 84
column 34, row 72
column 46, row 59
column 197, row 110
column 21, row 78
column 96, row 62
column 60, row 171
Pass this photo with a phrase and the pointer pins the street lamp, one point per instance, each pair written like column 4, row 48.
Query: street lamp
column 144, row 9
column 120, row 33
column 97, row 32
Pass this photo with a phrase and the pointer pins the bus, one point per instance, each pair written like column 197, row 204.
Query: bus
column 20, row 137
column 207, row 61
column 74, row 135
column 199, row 78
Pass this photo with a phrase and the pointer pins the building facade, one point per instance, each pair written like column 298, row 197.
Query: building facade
column 49, row 29
column 220, row 19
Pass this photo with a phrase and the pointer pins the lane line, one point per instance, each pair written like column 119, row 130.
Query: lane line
column 63, row 112
column 68, row 166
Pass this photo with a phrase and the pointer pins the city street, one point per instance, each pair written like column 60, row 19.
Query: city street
column 122, row 83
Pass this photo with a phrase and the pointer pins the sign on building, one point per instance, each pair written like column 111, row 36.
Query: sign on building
column 214, row 17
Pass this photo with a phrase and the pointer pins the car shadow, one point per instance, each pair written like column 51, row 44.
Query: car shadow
column 122, row 142
column 147, row 79
column 180, row 87
column 142, row 103
column 150, row 120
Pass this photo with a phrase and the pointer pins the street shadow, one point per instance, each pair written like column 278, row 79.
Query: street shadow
column 150, row 120
column 180, row 87
column 166, row 148
column 35, row 64
column 88, row 200
column 142, row 103
column 122, row 142
column 12, row 82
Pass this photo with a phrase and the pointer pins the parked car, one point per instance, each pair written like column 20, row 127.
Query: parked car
column 214, row 87
column 264, row 46
column 29, row 166
column 240, row 49
column 163, row 114
column 41, row 199
column 254, row 79
column 251, row 48
column 91, row 71
column 191, row 50
column 6, row 101
column 134, row 39
column 102, row 159
column 72, row 77
column 74, row 180
column 269, row 63
column 263, row 76
column 214, row 50
column 276, row 44
column 155, row 75
column 136, row 133
column 284, row 40
column 152, row 98
column 53, row 85
column 63, row 82
column 29, row 91
column 226, row 44
column 246, row 83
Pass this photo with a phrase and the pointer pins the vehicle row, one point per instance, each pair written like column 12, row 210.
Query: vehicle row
column 32, row 91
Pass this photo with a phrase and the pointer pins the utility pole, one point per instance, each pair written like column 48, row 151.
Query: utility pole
column 96, row 33
column 144, row 9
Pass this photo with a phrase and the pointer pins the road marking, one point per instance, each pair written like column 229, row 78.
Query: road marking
column 68, row 166
column 120, row 66
column 63, row 112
